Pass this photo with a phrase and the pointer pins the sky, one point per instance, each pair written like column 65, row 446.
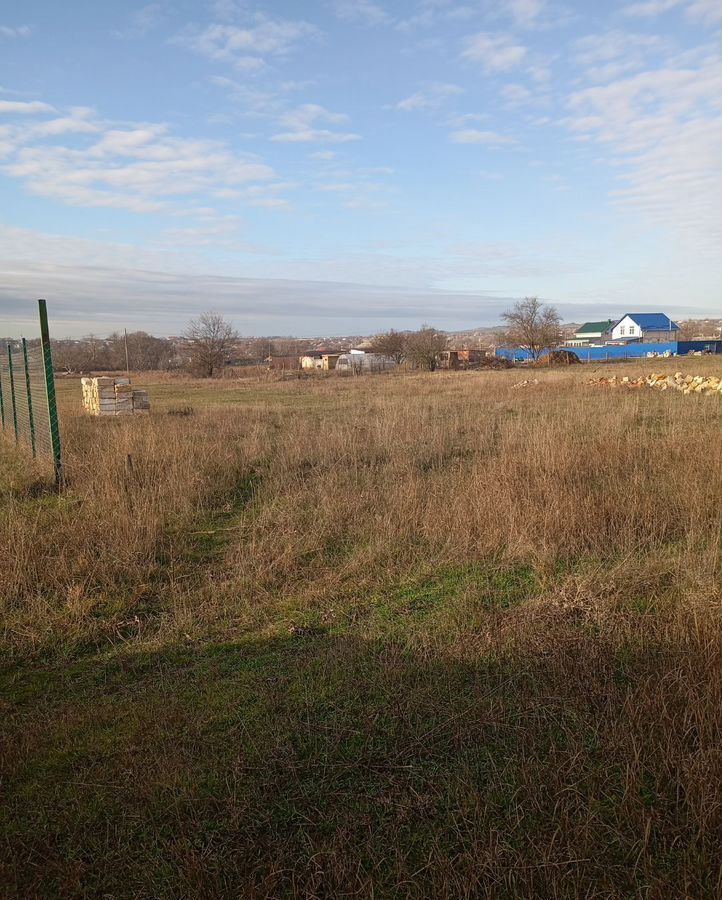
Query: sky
column 349, row 166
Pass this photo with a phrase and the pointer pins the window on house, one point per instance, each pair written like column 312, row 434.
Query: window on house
column 623, row 329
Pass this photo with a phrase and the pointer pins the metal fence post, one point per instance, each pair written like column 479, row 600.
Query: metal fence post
column 31, row 420
column 12, row 391
column 50, row 391
column 2, row 403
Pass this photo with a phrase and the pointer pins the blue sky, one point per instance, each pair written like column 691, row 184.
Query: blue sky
column 345, row 167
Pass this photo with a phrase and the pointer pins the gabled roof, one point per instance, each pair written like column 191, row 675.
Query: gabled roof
column 594, row 327
column 651, row 321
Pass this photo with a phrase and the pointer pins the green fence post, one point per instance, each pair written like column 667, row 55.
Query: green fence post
column 2, row 402
column 12, row 391
column 50, row 391
column 31, row 420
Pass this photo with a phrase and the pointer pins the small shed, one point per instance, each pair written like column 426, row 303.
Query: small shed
column 453, row 359
column 311, row 359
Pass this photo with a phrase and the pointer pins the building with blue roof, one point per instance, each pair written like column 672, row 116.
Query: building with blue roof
column 633, row 336
column 648, row 328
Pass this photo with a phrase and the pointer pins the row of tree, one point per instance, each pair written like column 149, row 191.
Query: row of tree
column 209, row 342
column 210, row 339
column 138, row 351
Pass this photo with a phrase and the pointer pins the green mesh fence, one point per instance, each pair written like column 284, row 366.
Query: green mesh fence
column 28, row 411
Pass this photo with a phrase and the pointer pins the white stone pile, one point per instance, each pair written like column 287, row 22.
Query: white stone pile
column 106, row 396
column 526, row 383
column 686, row 384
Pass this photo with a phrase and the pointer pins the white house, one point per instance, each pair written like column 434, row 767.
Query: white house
column 645, row 327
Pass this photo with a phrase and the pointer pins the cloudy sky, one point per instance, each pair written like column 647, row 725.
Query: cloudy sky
column 346, row 166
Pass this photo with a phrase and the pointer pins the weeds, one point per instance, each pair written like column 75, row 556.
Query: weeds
column 419, row 636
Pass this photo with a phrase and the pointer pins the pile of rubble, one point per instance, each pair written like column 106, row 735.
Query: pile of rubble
column 493, row 362
column 525, row 383
column 558, row 358
column 687, row 384
column 106, row 396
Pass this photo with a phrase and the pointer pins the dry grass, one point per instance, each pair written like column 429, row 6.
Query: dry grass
column 393, row 636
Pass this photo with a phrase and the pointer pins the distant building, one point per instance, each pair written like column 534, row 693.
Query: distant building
column 318, row 359
column 591, row 333
column 358, row 362
column 645, row 328
column 311, row 359
column 363, row 347
column 453, row 359
column 329, row 360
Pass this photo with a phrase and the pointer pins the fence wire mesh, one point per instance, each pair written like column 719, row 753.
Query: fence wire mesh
column 26, row 412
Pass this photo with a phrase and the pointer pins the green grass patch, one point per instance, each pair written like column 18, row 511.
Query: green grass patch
column 233, row 765
column 476, row 587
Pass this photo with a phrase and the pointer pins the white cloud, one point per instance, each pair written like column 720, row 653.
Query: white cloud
column 141, row 167
column 431, row 97
column 708, row 12
column 336, row 187
column 78, row 120
column 613, row 53
column 662, row 130
column 247, row 48
column 323, row 154
column 25, row 107
column 650, row 8
column 432, row 13
column 495, row 52
column 516, row 95
column 229, row 10
column 540, row 74
column 361, row 11
column 301, row 126
column 475, row 136
column 487, row 175
column 144, row 20
column 15, row 31
column 525, row 12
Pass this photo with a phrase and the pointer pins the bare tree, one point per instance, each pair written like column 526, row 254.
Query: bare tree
column 210, row 338
column 391, row 343
column 533, row 326
column 424, row 346
column 259, row 349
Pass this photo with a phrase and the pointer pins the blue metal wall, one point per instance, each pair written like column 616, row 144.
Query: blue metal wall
column 688, row 346
column 631, row 351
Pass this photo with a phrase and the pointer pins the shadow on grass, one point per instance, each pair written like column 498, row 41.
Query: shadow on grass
column 325, row 766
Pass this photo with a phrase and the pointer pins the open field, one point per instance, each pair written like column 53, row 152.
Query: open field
column 392, row 636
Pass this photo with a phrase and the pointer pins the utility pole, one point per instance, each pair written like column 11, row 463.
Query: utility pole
column 127, row 366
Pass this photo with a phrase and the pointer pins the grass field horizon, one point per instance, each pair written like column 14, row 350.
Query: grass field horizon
column 425, row 635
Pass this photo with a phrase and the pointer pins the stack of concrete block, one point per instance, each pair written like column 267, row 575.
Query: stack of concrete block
column 141, row 403
column 123, row 397
column 99, row 396
column 106, row 396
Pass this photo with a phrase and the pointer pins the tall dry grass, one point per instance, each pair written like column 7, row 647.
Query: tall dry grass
column 350, row 483
column 519, row 694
